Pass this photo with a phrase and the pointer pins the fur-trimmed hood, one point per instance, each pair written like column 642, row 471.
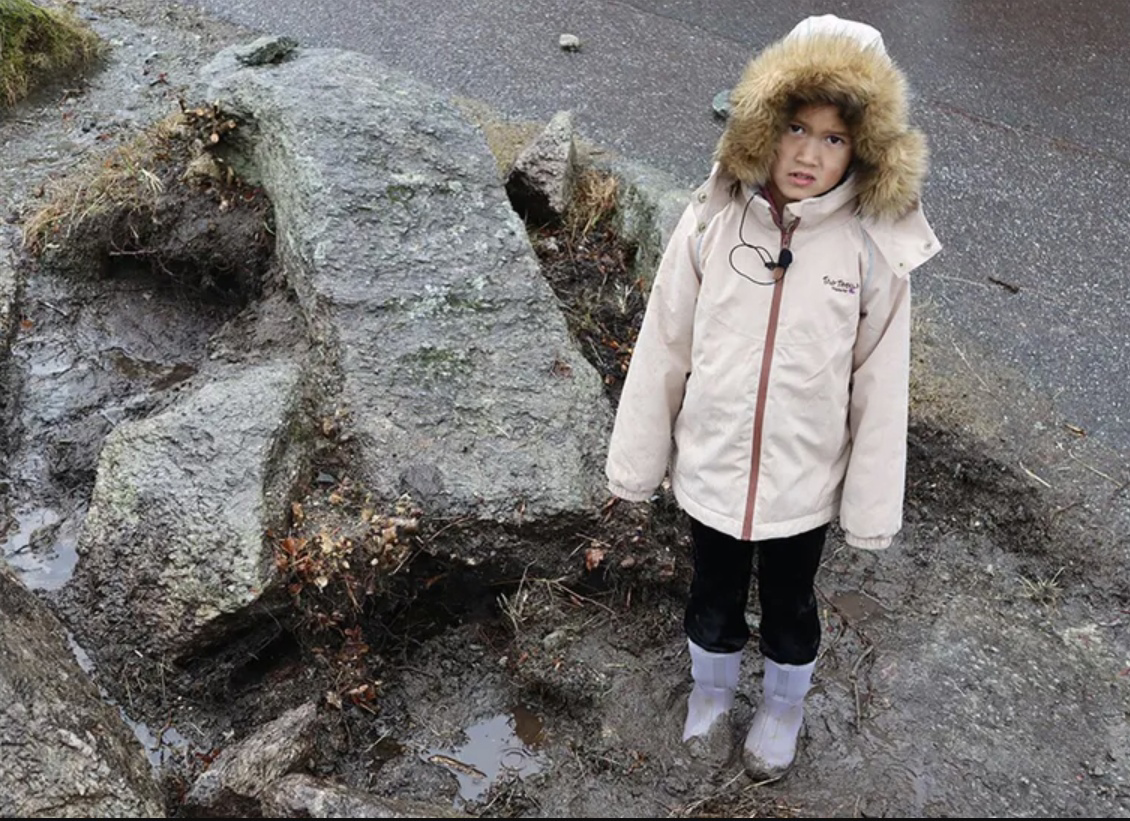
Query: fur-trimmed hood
column 830, row 63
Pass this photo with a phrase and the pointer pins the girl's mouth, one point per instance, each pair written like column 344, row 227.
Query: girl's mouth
column 801, row 179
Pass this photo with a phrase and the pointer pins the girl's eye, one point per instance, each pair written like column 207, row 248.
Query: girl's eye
column 796, row 129
column 834, row 140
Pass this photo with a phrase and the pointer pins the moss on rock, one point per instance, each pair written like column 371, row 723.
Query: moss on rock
column 38, row 44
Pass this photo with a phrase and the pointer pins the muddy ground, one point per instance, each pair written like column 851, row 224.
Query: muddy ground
column 982, row 666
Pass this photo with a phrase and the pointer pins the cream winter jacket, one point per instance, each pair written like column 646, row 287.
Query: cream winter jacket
column 777, row 407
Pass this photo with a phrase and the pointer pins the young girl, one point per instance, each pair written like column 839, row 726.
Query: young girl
column 771, row 371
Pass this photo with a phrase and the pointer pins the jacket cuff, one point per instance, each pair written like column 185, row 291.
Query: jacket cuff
column 629, row 495
column 868, row 543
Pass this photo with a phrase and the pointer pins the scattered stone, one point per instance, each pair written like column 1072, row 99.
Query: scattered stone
column 541, row 183
column 649, row 204
column 569, row 42
column 173, row 553
column 1086, row 637
column 554, row 639
column 231, row 786
column 721, row 104
column 266, row 51
column 203, row 167
column 303, row 796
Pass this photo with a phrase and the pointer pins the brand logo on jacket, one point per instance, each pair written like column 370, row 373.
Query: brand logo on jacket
column 841, row 286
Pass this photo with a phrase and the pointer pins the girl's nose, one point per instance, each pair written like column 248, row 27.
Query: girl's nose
column 806, row 152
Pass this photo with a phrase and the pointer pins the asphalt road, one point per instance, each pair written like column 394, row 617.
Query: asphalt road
column 1025, row 103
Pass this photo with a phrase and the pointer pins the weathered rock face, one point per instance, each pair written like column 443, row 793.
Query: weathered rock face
column 649, row 206
column 540, row 185
column 65, row 752
column 453, row 358
column 231, row 786
column 174, row 542
column 303, row 796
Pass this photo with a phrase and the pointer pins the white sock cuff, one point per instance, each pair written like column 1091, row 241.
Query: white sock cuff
column 716, row 670
column 788, row 683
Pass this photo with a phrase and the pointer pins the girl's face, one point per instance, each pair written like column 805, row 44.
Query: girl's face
column 812, row 155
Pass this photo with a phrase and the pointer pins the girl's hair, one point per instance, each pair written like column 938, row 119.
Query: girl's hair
column 851, row 112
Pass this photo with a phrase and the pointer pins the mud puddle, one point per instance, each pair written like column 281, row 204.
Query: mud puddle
column 89, row 356
column 503, row 746
column 857, row 606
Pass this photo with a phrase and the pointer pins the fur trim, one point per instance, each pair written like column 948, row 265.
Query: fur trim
column 890, row 157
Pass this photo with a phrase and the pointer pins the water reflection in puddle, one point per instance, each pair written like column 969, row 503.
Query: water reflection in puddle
column 506, row 744
column 40, row 548
column 159, row 747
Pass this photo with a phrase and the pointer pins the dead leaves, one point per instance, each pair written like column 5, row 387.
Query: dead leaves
column 561, row 369
column 333, row 560
column 336, row 554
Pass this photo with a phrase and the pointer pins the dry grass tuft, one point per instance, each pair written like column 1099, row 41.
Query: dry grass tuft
column 594, row 198
column 124, row 181
column 131, row 178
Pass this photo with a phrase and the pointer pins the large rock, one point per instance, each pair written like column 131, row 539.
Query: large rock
column 303, row 796
column 65, row 752
column 231, row 785
column 464, row 386
column 173, row 550
column 541, row 183
column 649, row 205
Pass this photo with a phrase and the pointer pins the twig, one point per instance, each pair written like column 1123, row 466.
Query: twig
column 855, row 686
column 1034, row 476
column 767, row 781
column 1056, row 514
column 385, row 735
column 859, row 661
column 448, row 526
column 593, row 539
column 718, row 793
column 552, row 583
column 408, row 556
column 961, row 279
column 980, row 379
column 1008, row 286
column 1095, row 470
column 54, row 308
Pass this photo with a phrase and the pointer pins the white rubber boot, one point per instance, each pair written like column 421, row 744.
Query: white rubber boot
column 770, row 746
column 715, row 682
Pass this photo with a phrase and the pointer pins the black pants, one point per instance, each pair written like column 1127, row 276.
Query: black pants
column 786, row 571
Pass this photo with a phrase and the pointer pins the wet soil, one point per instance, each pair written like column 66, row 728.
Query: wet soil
column 980, row 667
column 119, row 306
column 602, row 302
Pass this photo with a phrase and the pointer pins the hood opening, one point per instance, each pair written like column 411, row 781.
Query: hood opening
column 857, row 76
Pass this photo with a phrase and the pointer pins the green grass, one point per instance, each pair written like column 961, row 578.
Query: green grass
column 37, row 45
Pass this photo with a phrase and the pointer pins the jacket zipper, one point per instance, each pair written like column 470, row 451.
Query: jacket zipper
column 763, row 380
